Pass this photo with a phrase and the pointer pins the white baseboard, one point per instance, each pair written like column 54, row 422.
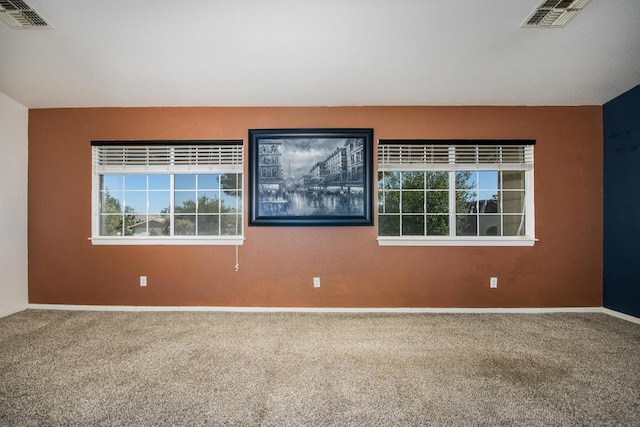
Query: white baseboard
column 71, row 307
column 315, row 309
column 623, row 316
column 13, row 311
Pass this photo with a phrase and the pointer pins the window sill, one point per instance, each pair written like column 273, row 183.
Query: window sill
column 228, row 240
column 456, row 241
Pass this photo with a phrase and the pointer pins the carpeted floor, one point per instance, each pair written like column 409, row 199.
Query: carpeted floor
column 190, row 368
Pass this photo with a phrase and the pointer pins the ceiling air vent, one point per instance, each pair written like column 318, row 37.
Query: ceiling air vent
column 554, row 13
column 18, row 14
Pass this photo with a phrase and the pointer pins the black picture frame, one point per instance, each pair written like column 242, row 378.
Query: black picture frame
column 309, row 177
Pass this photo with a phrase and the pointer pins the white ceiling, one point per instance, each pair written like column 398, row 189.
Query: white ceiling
column 318, row 52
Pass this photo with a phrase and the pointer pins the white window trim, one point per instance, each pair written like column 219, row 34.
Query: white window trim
column 225, row 167
column 454, row 241
column 466, row 240
column 157, row 240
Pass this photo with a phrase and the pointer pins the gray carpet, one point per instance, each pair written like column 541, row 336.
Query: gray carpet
column 190, row 368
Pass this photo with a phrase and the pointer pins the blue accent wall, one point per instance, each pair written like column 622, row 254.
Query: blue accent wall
column 621, row 264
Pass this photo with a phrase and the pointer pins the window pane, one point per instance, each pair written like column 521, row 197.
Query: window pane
column 412, row 201
column 159, row 226
column 380, row 180
column 466, row 202
column 111, row 225
column 138, row 227
column 437, row 202
column 437, row 180
column 208, row 182
column 185, row 201
column 466, row 180
column 413, row 225
column 185, row 182
column 135, row 201
column 208, row 225
column 135, row 225
column 231, row 181
column 488, row 180
column 135, row 182
column 230, row 225
column 208, row 202
column 489, row 225
column 389, row 225
column 487, row 202
column 513, row 180
column 111, row 182
column 466, row 225
column 185, row 225
column 513, row 201
column 112, row 202
column 513, row 225
column 230, row 201
column 391, row 201
column 159, row 182
column 438, row 225
column 412, row 180
column 159, row 201
column 391, row 180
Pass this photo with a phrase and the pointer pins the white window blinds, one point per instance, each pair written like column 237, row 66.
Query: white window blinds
column 193, row 157
column 421, row 155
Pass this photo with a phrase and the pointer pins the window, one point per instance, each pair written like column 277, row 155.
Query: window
column 167, row 192
column 455, row 193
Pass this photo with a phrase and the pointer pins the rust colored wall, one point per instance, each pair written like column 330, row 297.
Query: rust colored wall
column 277, row 263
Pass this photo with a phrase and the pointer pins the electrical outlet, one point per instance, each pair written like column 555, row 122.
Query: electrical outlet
column 143, row 280
column 316, row 282
column 493, row 282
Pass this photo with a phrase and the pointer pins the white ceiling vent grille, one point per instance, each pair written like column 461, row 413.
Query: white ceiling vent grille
column 554, row 13
column 19, row 15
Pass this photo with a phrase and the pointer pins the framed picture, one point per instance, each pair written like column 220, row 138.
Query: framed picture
column 310, row 177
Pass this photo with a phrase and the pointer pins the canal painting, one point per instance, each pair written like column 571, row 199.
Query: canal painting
column 310, row 177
